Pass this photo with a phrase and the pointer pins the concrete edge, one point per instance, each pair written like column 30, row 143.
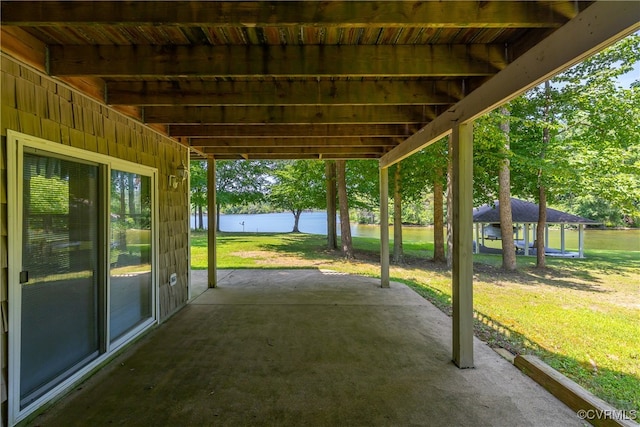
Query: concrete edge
column 587, row 406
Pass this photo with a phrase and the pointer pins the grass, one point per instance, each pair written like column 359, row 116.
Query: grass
column 581, row 316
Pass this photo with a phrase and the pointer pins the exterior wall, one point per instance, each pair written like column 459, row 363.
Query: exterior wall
column 37, row 105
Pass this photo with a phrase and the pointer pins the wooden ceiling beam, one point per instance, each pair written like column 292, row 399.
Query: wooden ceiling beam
column 293, row 130
column 458, row 14
column 271, row 61
column 324, row 156
column 289, row 114
column 293, row 150
column 304, row 92
column 291, row 142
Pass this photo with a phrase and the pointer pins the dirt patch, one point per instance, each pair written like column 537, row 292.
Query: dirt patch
column 270, row 259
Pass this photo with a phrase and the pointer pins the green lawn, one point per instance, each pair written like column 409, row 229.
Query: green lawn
column 581, row 316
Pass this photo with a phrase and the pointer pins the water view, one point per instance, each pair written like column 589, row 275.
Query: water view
column 316, row 223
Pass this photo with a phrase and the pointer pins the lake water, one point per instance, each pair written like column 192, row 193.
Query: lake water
column 316, row 223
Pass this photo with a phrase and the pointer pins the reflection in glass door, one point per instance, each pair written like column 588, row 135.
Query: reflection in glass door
column 130, row 261
column 60, row 272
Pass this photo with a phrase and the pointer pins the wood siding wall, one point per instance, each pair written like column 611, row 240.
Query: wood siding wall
column 37, row 105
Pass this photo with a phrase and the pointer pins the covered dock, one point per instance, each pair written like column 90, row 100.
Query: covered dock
column 487, row 226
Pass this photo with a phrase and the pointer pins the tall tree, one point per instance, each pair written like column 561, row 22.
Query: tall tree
column 504, row 196
column 332, row 194
column 299, row 185
column 450, row 202
column 345, row 225
column 398, row 253
column 438, row 216
column 542, row 194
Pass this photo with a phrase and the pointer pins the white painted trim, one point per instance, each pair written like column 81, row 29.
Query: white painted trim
column 16, row 143
column 14, row 206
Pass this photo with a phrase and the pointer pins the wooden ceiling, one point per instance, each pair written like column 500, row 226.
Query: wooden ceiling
column 280, row 80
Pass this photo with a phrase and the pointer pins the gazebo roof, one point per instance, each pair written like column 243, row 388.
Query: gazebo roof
column 525, row 212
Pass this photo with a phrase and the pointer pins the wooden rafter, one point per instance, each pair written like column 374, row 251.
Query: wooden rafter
column 289, row 114
column 293, row 130
column 301, row 92
column 267, row 150
column 458, row 60
column 292, row 142
column 251, row 13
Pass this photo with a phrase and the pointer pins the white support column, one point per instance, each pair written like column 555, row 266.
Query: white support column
column 581, row 240
column 562, row 238
column 546, row 236
column 384, row 227
column 212, row 226
column 526, row 239
column 462, row 298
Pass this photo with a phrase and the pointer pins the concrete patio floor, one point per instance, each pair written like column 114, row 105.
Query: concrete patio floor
column 305, row 347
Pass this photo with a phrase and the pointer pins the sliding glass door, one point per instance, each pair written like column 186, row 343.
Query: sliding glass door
column 130, row 260
column 81, row 264
column 60, row 266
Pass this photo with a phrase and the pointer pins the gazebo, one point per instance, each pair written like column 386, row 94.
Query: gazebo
column 487, row 226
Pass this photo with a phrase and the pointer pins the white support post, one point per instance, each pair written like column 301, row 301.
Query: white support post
column 212, row 226
column 384, row 227
column 581, row 240
column 462, row 296
column 562, row 238
column 526, row 239
column 546, row 236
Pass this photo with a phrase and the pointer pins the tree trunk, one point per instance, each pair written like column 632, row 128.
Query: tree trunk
column 332, row 234
column 450, row 202
column 542, row 222
column 504, row 196
column 398, row 253
column 296, row 220
column 438, row 218
column 345, row 226
column 200, row 218
column 132, row 192
column 122, row 233
column 542, row 195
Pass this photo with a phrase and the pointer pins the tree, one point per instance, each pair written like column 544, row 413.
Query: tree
column 600, row 128
column 199, row 191
column 241, row 182
column 398, row 253
column 299, row 185
column 332, row 194
column 504, row 196
column 343, row 201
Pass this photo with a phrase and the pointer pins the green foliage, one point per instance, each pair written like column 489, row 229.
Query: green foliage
column 240, row 181
column 593, row 153
column 49, row 195
column 298, row 185
column 363, row 177
column 198, row 183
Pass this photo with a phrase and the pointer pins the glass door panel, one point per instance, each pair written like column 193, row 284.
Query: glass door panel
column 130, row 261
column 59, row 281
